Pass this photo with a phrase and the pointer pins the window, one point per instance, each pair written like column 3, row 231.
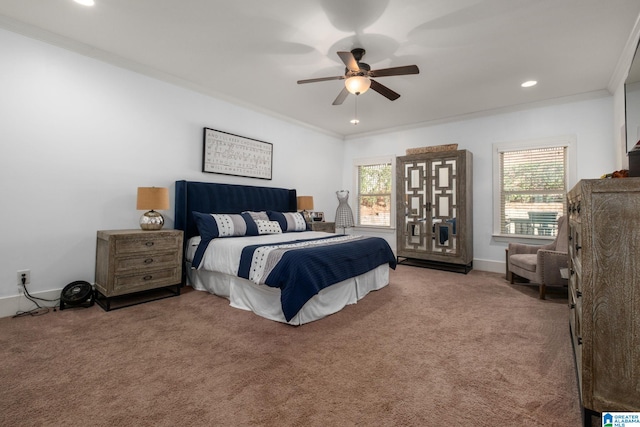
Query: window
column 374, row 188
column 532, row 186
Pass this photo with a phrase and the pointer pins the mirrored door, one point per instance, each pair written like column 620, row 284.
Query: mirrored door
column 429, row 196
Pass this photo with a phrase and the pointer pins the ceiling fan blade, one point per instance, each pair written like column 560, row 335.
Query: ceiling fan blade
column 320, row 79
column 384, row 91
column 395, row 71
column 349, row 60
column 341, row 97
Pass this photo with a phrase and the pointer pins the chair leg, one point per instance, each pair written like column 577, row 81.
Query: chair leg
column 543, row 290
column 510, row 277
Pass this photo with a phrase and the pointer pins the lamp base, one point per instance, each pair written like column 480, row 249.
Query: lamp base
column 307, row 216
column 151, row 220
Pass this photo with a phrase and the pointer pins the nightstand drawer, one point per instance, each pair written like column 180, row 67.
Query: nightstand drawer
column 149, row 243
column 124, row 284
column 147, row 261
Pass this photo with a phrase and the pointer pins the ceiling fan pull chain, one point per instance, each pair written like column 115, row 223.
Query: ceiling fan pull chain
column 355, row 120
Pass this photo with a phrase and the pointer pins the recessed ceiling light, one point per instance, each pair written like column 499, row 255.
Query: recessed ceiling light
column 529, row 83
column 354, row 121
column 86, row 2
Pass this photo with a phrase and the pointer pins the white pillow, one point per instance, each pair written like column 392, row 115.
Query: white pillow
column 268, row 227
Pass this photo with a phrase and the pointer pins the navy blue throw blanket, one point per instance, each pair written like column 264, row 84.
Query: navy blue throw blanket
column 302, row 272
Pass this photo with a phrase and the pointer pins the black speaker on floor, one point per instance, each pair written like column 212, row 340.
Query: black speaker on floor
column 77, row 294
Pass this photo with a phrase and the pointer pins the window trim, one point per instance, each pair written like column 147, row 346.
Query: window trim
column 568, row 141
column 392, row 213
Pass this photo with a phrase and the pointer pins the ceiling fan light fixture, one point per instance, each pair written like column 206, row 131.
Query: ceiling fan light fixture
column 357, row 85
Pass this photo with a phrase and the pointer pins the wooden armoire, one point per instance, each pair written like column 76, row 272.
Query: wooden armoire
column 434, row 210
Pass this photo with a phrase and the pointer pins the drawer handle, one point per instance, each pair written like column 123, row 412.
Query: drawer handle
column 578, row 294
column 148, row 277
column 149, row 244
column 148, row 260
column 578, row 247
column 579, row 340
column 572, row 306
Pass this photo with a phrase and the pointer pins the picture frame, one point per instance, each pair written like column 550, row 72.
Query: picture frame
column 317, row 216
column 229, row 154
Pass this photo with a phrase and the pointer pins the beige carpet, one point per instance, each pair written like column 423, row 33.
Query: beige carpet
column 432, row 349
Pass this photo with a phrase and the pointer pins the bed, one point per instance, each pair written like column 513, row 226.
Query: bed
column 293, row 275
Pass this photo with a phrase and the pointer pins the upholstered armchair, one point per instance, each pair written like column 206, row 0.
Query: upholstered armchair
column 541, row 264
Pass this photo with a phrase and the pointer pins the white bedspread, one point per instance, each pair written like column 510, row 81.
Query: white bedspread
column 223, row 254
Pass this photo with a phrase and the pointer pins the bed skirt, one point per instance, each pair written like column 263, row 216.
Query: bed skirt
column 265, row 301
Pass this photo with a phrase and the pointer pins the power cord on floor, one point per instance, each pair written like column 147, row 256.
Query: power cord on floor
column 39, row 310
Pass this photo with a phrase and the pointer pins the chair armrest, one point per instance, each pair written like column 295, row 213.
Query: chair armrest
column 549, row 265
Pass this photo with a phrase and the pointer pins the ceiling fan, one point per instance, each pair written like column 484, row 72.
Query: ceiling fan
column 358, row 76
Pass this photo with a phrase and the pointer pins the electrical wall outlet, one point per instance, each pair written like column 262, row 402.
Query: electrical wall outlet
column 24, row 274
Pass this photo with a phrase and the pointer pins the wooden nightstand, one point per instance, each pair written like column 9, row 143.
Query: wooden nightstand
column 136, row 261
column 329, row 227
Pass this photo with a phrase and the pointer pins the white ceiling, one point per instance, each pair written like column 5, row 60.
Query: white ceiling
column 472, row 54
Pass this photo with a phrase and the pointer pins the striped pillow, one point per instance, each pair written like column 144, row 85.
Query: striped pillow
column 289, row 221
column 211, row 226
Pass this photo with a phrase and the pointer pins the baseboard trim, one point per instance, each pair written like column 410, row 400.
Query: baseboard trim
column 9, row 306
column 489, row 265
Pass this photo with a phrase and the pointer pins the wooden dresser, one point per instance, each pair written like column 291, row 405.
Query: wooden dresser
column 604, row 292
column 131, row 261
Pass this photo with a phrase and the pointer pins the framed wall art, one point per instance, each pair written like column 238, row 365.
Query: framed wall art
column 229, row 154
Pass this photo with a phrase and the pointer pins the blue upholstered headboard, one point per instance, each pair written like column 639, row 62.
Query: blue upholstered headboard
column 207, row 197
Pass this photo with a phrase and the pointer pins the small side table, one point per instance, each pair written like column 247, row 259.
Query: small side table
column 328, row 227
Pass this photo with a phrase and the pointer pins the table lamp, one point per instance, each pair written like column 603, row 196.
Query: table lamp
column 305, row 203
column 152, row 198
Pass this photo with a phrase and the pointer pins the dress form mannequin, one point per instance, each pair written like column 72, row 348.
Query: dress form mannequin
column 344, row 215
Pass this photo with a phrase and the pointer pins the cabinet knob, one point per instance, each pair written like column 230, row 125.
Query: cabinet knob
column 148, row 260
column 572, row 306
column 578, row 247
column 579, row 340
column 578, row 294
column 148, row 277
column 149, row 244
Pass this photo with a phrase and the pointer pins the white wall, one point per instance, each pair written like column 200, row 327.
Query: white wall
column 78, row 136
column 591, row 121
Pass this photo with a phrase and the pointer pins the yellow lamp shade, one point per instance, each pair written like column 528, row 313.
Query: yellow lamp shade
column 153, row 198
column 305, row 203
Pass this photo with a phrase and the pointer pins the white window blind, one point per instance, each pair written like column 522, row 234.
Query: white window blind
column 533, row 187
column 374, row 194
